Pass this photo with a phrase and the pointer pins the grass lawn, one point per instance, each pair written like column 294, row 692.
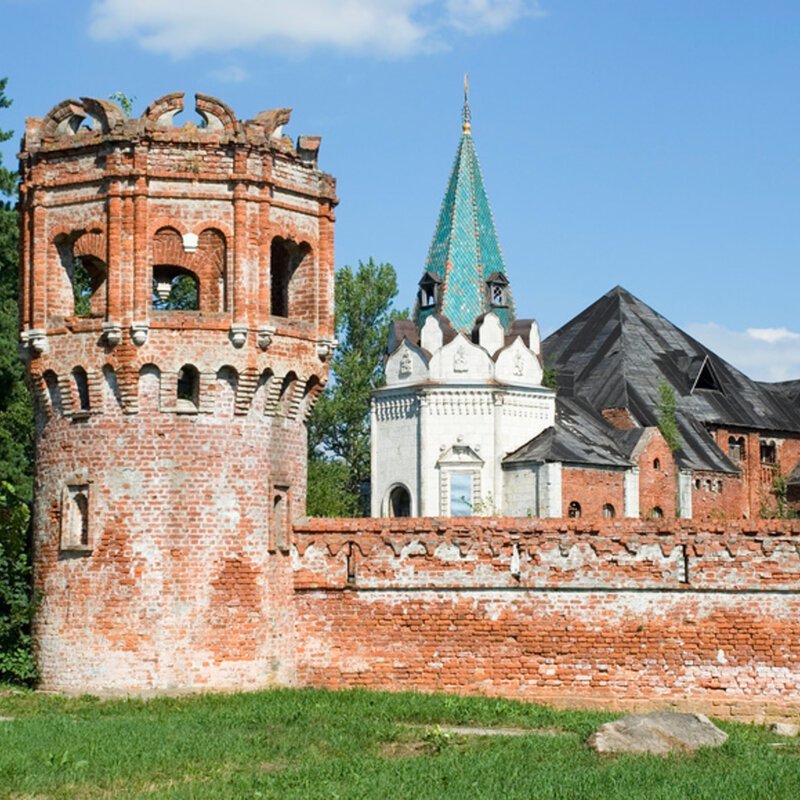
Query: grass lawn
column 316, row 744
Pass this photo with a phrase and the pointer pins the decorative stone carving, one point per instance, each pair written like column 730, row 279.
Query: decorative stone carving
column 460, row 360
column 264, row 336
column 139, row 333
column 37, row 340
column 325, row 348
column 112, row 333
column 406, row 366
column 238, row 334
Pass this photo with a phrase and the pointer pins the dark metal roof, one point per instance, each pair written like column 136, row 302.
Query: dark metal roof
column 617, row 352
column 578, row 437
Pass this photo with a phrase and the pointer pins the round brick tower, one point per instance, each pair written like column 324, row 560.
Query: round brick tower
column 176, row 318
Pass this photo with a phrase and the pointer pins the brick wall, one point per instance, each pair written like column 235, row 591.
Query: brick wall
column 616, row 613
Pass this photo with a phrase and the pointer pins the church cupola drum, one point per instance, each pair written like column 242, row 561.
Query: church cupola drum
column 464, row 378
column 176, row 320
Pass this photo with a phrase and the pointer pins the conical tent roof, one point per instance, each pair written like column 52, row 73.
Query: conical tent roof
column 465, row 252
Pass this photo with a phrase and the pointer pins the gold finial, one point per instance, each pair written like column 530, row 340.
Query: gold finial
column 467, row 128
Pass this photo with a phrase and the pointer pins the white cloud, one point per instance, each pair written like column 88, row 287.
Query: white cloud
column 379, row 27
column 765, row 354
column 483, row 16
column 232, row 73
column 772, row 335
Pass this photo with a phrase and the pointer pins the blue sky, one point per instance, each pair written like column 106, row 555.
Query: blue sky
column 651, row 144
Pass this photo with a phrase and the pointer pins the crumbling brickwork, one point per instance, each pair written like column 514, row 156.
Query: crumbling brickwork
column 626, row 614
column 171, row 443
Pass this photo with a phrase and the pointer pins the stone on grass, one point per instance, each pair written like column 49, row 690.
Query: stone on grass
column 785, row 728
column 659, row 733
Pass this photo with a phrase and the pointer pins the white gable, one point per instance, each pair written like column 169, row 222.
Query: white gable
column 461, row 361
column 406, row 365
column 516, row 364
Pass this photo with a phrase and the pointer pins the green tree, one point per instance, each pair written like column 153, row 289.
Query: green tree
column 338, row 432
column 16, row 450
column 16, row 412
column 16, row 606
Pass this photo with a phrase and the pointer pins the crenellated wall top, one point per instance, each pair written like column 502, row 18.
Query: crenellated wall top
column 91, row 121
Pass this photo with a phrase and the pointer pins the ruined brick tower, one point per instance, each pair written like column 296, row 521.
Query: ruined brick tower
column 176, row 319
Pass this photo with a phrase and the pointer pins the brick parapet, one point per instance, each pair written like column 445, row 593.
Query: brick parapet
column 617, row 613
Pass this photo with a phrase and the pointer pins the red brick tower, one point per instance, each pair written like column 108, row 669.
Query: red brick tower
column 176, row 318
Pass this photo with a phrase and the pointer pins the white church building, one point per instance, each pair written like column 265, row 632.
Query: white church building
column 463, row 378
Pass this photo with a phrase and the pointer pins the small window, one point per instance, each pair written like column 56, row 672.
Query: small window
column 574, row 510
column 497, row 286
column 655, row 513
column 608, row 511
column 81, row 387
column 427, row 293
column 461, row 494
column 281, row 523
column 769, row 452
column 697, row 483
column 188, row 389
column 656, row 464
column 75, row 518
column 399, row 502
column 736, row 449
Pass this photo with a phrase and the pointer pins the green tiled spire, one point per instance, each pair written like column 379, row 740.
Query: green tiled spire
column 465, row 254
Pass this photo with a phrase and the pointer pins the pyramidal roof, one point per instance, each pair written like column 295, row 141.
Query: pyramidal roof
column 465, row 253
column 618, row 351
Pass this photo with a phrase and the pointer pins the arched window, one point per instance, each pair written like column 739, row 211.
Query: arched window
column 428, row 290
column 75, row 518
column 574, row 509
column 399, row 502
column 88, row 286
column 282, row 266
column 175, row 289
column 608, row 511
column 655, row 513
column 81, row 387
column 53, row 391
column 656, row 464
column 769, row 452
column 188, row 388
column 736, row 448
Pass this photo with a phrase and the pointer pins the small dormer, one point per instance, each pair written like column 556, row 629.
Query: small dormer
column 429, row 291
column 497, row 288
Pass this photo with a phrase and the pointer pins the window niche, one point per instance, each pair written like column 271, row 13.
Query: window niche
column 574, row 510
column 81, row 380
column 399, row 502
column 188, row 390
column 76, row 519
column 280, row 533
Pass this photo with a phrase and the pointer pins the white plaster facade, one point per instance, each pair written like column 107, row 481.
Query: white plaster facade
column 448, row 415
